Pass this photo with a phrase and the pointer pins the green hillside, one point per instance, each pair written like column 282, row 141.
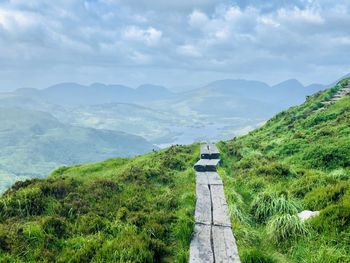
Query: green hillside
column 300, row 160
column 141, row 209
column 32, row 143
column 120, row 210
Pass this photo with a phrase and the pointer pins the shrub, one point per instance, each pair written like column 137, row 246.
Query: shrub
column 238, row 214
column 33, row 232
column 20, row 185
column 266, row 205
column 6, row 258
column 25, row 202
column 274, row 169
column 80, row 249
column 55, row 226
column 334, row 217
column 328, row 156
column 324, row 196
column 308, row 182
column 330, row 255
column 284, row 226
column 256, row 256
column 91, row 223
column 128, row 246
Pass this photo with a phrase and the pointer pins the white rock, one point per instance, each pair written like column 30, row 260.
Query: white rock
column 306, row 214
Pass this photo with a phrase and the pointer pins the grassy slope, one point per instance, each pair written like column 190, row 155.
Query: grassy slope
column 298, row 160
column 120, row 210
column 32, row 143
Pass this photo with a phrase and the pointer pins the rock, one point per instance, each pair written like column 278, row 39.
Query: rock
column 306, row 214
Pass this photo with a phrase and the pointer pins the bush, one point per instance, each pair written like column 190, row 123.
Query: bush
column 308, row 182
column 25, row 202
column 55, row 226
column 34, row 233
column 256, row 256
column 91, row 223
column 80, row 249
column 274, row 169
column 284, row 226
column 128, row 246
column 324, row 196
column 328, row 156
column 334, row 217
column 266, row 205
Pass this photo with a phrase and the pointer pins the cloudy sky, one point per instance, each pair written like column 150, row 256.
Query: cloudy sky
column 182, row 43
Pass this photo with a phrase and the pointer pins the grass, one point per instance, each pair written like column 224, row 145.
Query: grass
column 121, row 210
column 299, row 160
column 266, row 205
column 284, row 227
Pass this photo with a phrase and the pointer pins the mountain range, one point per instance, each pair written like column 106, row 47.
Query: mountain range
column 69, row 123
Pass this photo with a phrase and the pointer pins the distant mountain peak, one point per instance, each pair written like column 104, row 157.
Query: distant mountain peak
column 290, row 83
column 152, row 87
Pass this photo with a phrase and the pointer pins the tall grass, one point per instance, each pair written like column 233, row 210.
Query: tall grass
column 284, row 226
column 266, row 205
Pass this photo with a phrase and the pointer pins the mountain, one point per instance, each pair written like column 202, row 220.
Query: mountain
column 73, row 94
column 284, row 94
column 154, row 92
column 238, row 104
column 32, row 143
column 141, row 209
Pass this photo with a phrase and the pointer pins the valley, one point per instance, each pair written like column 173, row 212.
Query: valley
column 90, row 121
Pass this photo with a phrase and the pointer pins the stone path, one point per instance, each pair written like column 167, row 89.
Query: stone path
column 213, row 240
column 339, row 95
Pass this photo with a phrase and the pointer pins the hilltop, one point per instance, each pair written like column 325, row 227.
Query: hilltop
column 299, row 160
column 141, row 209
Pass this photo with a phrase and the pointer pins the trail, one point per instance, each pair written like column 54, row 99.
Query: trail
column 345, row 91
column 213, row 240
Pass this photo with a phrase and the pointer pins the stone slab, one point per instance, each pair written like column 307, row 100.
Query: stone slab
column 225, row 247
column 203, row 205
column 202, row 178
column 220, row 207
column 204, row 165
column 200, row 248
column 213, row 178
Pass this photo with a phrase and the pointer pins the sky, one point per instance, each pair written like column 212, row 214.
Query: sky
column 179, row 44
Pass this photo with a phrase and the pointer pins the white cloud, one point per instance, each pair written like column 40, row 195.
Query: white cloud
column 296, row 15
column 198, row 19
column 140, row 58
column 247, row 37
column 149, row 36
column 232, row 13
column 189, row 50
column 12, row 19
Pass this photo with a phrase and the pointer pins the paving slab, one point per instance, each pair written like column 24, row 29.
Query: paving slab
column 213, row 240
column 200, row 248
column 205, row 151
column 213, row 178
column 201, row 165
column 202, row 178
column 225, row 247
column 220, row 207
column 203, row 205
